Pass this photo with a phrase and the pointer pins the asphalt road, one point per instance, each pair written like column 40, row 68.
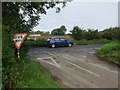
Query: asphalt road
column 77, row 66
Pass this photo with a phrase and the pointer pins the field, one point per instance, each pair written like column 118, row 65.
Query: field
column 47, row 37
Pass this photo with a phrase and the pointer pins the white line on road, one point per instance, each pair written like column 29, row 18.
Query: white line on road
column 84, row 69
column 76, row 65
column 49, row 53
column 91, row 52
column 97, row 48
column 35, row 52
column 54, row 62
column 83, row 56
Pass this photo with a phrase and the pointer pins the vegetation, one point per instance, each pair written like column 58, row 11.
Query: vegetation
column 111, row 33
column 21, row 17
column 18, row 17
column 85, row 42
column 31, row 75
column 111, row 52
column 38, row 43
column 91, row 34
column 80, row 34
column 59, row 31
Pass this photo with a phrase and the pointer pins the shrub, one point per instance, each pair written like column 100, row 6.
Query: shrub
column 9, row 57
column 8, row 60
column 38, row 43
column 111, row 33
column 31, row 39
column 79, row 34
column 92, row 34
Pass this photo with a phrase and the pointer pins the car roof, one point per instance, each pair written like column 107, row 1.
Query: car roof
column 54, row 37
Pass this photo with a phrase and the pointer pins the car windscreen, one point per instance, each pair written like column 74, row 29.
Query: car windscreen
column 62, row 39
column 56, row 39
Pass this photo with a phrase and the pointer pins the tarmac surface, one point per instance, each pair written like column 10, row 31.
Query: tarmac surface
column 77, row 66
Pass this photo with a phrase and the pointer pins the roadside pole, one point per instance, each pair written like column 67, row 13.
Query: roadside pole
column 18, row 40
column 18, row 54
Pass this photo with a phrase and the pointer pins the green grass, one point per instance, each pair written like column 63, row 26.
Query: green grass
column 111, row 52
column 34, row 76
column 85, row 42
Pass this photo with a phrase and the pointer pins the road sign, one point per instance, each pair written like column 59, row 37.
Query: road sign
column 18, row 39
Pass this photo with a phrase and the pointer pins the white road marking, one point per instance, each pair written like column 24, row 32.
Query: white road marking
column 83, row 56
column 91, row 52
column 84, row 69
column 49, row 53
column 54, row 62
column 35, row 52
column 76, row 65
column 90, row 48
column 96, row 48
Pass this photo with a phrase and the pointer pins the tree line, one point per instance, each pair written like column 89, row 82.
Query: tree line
column 112, row 33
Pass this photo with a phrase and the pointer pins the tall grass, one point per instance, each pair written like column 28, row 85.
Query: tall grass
column 111, row 52
column 32, row 75
column 96, row 41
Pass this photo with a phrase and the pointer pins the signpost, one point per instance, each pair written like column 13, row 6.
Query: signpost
column 18, row 40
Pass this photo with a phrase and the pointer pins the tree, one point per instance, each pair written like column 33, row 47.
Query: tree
column 19, row 17
column 92, row 34
column 77, row 33
column 22, row 17
column 59, row 31
column 62, row 30
column 111, row 33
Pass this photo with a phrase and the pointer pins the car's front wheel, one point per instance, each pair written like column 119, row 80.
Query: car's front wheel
column 53, row 45
column 69, row 45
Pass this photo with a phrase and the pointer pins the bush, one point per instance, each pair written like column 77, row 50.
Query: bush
column 31, row 39
column 111, row 52
column 79, row 34
column 38, row 43
column 91, row 34
column 111, row 33
column 24, row 49
column 9, row 57
column 8, row 60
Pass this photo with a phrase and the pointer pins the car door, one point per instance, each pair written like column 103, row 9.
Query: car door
column 63, row 42
column 57, row 42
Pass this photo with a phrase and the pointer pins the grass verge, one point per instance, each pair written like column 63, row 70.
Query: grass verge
column 86, row 42
column 34, row 76
column 111, row 52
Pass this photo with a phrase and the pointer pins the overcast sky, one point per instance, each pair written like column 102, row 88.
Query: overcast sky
column 94, row 15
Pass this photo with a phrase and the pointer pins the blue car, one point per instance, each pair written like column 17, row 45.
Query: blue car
column 55, row 42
